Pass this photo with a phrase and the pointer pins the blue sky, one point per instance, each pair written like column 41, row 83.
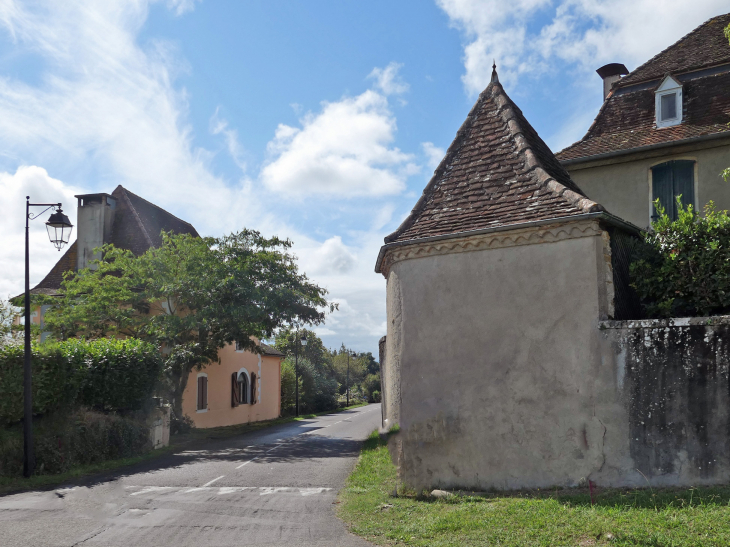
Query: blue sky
column 321, row 121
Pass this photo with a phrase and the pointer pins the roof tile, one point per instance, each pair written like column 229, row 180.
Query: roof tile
column 497, row 172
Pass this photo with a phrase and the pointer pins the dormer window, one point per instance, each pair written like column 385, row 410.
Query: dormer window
column 668, row 103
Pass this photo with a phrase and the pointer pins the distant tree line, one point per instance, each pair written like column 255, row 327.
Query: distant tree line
column 323, row 377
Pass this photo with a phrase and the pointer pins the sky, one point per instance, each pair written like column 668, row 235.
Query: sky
column 317, row 121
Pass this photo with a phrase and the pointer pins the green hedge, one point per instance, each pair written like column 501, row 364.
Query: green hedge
column 107, row 374
column 65, row 440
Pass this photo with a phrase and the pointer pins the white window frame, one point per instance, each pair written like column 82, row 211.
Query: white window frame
column 197, row 395
column 669, row 86
column 235, row 345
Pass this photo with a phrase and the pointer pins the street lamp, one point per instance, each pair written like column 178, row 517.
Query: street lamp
column 59, row 229
column 347, row 385
column 303, row 340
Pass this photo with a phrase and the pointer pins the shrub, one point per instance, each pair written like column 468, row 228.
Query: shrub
column 64, row 440
column 683, row 266
column 105, row 374
column 121, row 374
column 56, row 380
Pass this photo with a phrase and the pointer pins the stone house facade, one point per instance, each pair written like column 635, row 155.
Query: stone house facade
column 510, row 360
column 634, row 153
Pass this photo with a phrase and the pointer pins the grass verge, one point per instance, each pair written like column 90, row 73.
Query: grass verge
column 9, row 485
column 659, row 517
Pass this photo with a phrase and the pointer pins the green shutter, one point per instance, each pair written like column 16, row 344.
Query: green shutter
column 684, row 182
column 672, row 179
column 662, row 188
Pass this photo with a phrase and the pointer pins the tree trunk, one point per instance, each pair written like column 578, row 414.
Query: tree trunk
column 179, row 385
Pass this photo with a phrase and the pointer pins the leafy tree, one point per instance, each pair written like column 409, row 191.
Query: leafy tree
column 314, row 351
column 190, row 296
column 683, row 266
column 358, row 368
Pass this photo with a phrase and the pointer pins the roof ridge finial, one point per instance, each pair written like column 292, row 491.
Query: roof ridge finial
column 495, row 78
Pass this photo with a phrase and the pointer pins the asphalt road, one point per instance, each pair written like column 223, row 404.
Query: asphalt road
column 276, row 486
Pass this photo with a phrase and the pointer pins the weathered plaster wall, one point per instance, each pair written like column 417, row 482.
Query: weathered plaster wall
column 495, row 347
column 219, row 411
column 624, row 187
column 672, row 377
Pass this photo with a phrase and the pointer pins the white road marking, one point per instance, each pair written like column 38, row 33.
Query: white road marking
column 211, row 482
column 244, row 463
column 148, row 489
column 224, row 490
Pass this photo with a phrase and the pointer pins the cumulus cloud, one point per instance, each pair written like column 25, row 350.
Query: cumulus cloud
column 388, row 80
column 110, row 108
column 344, row 151
column 528, row 37
column 332, row 256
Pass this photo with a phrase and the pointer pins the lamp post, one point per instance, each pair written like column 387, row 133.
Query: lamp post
column 303, row 340
column 59, row 230
column 347, row 384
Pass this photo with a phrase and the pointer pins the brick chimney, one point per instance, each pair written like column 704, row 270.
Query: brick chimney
column 611, row 73
column 93, row 225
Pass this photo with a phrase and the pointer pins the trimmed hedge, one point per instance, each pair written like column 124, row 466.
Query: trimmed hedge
column 66, row 440
column 106, row 374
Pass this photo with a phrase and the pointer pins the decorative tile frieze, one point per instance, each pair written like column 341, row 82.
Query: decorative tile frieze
column 493, row 240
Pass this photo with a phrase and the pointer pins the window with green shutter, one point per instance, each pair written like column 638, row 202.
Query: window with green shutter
column 672, row 179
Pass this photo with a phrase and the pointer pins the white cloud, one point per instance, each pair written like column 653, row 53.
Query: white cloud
column 181, row 6
column 108, row 105
column 434, row 154
column 103, row 96
column 388, row 80
column 343, row 151
column 34, row 182
column 219, row 126
column 531, row 36
column 332, row 256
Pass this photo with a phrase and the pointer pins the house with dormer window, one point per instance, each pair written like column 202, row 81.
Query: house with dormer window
column 663, row 130
column 244, row 386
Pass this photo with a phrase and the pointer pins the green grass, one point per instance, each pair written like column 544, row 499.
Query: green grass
column 645, row 517
column 177, row 443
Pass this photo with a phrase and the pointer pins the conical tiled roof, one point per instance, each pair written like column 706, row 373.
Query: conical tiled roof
column 497, row 172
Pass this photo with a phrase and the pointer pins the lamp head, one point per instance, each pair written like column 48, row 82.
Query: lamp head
column 59, row 229
column 303, row 339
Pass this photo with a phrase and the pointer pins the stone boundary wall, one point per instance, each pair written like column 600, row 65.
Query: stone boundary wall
column 672, row 376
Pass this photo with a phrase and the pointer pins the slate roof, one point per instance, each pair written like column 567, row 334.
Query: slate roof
column 626, row 120
column 497, row 172
column 270, row 351
column 138, row 223
column 137, row 227
column 705, row 46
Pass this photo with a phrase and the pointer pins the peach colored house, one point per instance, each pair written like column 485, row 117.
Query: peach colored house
column 244, row 387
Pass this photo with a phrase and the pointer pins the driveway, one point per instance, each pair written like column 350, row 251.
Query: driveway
column 276, row 486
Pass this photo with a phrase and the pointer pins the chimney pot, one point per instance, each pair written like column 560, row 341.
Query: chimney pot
column 611, row 73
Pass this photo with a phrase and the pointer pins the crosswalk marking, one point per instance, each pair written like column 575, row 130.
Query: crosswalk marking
column 224, row 490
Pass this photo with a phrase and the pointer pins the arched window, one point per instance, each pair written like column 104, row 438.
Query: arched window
column 253, row 388
column 239, row 388
column 672, row 179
